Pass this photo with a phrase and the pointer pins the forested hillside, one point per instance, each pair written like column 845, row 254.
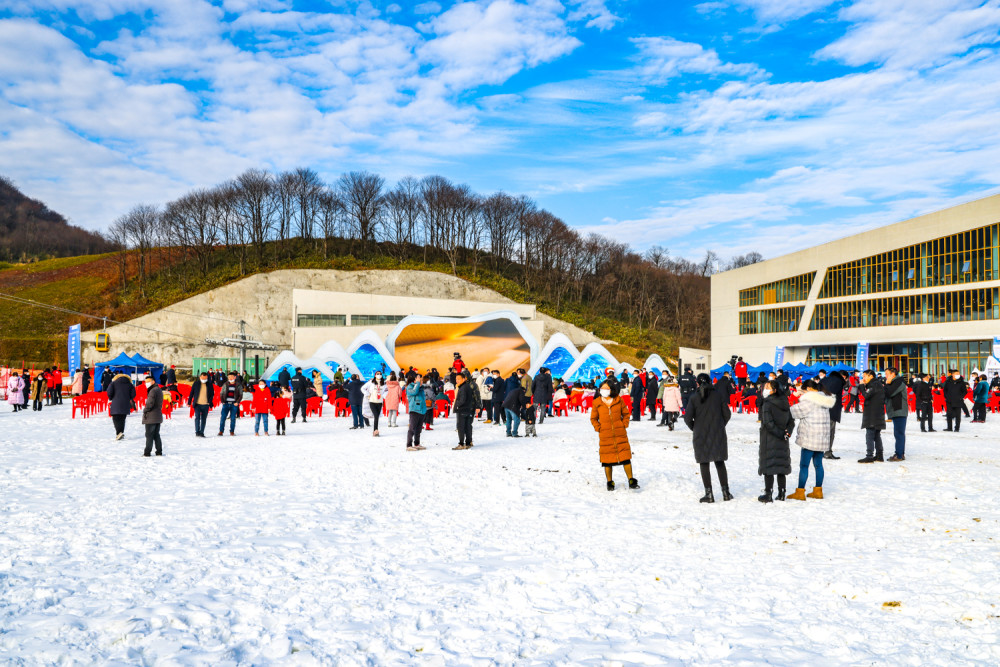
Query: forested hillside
column 30, row 231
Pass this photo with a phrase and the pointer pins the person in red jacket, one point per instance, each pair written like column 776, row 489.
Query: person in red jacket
column 458, row 364
column 50, row 385
column 279, row 410
column 57, row 379
column 261, row 407
column 740, row 372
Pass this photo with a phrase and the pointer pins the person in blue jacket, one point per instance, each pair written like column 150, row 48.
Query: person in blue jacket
column 417, row 403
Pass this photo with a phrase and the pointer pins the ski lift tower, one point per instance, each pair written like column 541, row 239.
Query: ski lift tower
column 240, row 342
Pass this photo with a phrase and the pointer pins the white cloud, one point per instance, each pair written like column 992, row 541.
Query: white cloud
column 595, row 13
column 665, row 58
column 914, row 33
column 427, row 8
column 780, row 11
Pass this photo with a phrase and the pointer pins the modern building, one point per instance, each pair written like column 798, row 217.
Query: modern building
column 922, row 294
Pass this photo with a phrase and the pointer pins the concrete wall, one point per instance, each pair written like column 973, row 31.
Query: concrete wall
column 265, row 301
column 758, row 348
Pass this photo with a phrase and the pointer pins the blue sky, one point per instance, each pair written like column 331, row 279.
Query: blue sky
column 767, row 125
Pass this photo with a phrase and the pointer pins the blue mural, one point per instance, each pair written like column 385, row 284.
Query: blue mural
column 593, row 366
column 559, row 361
column 333, row 366
column 368, row 360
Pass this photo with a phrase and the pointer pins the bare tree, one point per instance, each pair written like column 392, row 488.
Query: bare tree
column 658, row 256
column 194, row 225
column 402, row 216
column 140, row 226
column 256, row 207
column 308, row 187
column 500, row 221
column 740, row 261
column 362, row 196
column 118, row 237
column 331, row 209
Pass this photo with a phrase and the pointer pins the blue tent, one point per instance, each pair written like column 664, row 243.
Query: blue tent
column 120, row 364
column 144, row 365
column 718, row 372
column 764, row 368
column 842, row 367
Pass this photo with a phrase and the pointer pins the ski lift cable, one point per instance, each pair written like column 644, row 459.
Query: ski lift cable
column 30, row 302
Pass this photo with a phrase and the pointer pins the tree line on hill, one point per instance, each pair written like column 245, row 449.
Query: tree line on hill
column 259, row 218
column 30, row 231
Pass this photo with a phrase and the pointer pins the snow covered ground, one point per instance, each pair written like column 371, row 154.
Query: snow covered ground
column 330, row 547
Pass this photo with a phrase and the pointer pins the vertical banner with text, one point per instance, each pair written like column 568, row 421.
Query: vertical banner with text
column 861, row 360
column 779, row 356
column 73, row 349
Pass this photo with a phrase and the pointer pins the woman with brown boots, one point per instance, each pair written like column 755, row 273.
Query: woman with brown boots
column 610, row 418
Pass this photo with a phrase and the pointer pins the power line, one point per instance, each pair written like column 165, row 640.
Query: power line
column 30, row 302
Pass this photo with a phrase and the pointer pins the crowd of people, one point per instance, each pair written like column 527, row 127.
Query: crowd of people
column 807, row 409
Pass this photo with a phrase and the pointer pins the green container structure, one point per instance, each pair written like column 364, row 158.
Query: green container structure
column 254, row 367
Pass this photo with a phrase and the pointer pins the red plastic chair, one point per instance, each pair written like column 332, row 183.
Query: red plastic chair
column 587, row 403
column 994, row 403
column 751, row 404
column 627, row 400
column 451, row 395
column 314, row 406
column 341, row 407
column 442, row 409
column 246, row 408
column 561, row 407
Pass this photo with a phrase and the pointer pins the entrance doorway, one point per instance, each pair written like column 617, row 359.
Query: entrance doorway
column 898, row 361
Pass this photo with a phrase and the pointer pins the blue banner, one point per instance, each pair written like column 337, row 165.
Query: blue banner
column 861, row 359
column 779, row 356
column 73, row 348
column 996, row 347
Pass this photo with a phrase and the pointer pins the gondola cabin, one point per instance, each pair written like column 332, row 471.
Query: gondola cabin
column 103, row 342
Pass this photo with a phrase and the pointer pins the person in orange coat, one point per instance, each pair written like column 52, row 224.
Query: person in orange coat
column 610, row 418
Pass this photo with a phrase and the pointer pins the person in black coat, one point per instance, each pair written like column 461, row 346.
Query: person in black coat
column 171, row 376
column 637, row 393
column 298, row 384
column 355, row 397
column 834, row 383
column 86, row 379
column 201, row 398
column 688, row 385
column 652, row 387
column 512, row 406
column 872, row 416
column 464, row 408
column 541, row 392
column 924, row 400
column 285, row 379
column 707, row 415
column 121, row 394
column 776, row 426
column 955, row 390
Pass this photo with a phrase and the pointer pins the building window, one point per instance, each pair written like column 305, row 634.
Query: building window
column 943, row 307
column 375, row 320
column 322, row 320
column 970, row 256
column 782, row 291
column 934, row 358
column 775, row 320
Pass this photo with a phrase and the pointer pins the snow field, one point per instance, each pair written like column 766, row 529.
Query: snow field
column 328, row 546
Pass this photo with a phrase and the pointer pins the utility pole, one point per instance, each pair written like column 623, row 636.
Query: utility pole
column 241, row 342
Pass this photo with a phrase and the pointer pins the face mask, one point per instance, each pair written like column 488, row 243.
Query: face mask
column 956, row 376
column 148, row 385
column 766, row 393
column 605, row 392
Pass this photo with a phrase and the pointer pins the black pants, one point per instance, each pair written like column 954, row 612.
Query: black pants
column 926, row 409
column 954, row 413
column 376, row 412
column 36, row 404
column 464, row 421
column 720, row 470
column 413, row 431
column 119, row 422
column 498, row 414
column 684, row 401
column 854, row 400
column 769, row 483
column 429, row 416
column 873, row 442
column 636, row 409
column 153, row 437
column 279, row 425
column 651, row 404
column 979, row 411
column 965, row 410
column 200, row 418
column 298, row 403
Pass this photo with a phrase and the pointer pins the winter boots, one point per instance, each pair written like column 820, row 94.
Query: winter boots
column 817, row 493
column 800, row 494
column 611, row 485
column 708, row 497
column 633, row 483
column 765, row 497
column 725, row 493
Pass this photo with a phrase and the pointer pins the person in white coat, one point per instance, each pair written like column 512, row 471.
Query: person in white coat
column 812, row 416
column 374, row 391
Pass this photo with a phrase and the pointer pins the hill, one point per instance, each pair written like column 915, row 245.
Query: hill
column 30, row 231
column 93, row 284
